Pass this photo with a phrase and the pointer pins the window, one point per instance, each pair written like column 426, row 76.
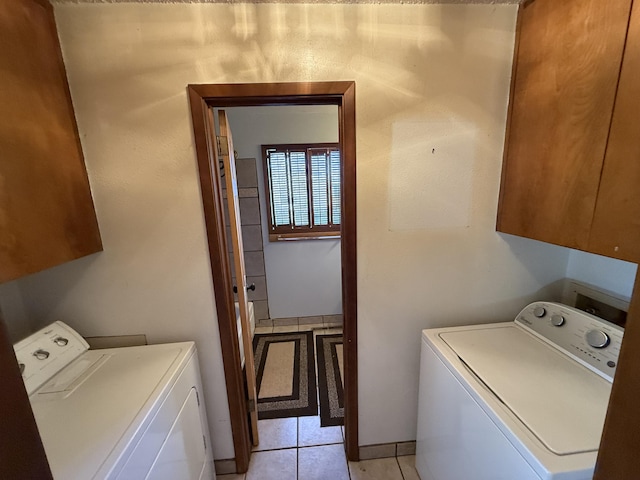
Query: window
column 302, row 183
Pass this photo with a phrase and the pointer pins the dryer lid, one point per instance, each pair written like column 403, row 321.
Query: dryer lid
column 89, row 415
column 560, row 401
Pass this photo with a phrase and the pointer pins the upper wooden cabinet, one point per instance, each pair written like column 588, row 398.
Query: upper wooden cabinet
column 566, row 70
column 616, row 224
column 46, row 210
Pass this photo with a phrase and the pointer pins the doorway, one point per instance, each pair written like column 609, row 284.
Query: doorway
column 287, row 161
column 341, row 94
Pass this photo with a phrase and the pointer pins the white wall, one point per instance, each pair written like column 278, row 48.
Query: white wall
column 432, row 84
column 616, row 276
column 303, row 277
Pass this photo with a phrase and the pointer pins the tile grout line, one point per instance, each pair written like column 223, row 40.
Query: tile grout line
column 275, row 449
column 399, row 467
column 297, row 447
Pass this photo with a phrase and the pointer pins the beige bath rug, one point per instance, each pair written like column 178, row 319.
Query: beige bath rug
column 285, row 375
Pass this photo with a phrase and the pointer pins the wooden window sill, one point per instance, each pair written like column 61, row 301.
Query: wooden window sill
column 280, row 237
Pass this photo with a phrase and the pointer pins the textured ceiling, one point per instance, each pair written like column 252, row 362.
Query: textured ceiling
column 486, row 2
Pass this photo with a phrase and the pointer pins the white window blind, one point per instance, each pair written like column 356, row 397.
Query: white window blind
column 334, row 167
column 298, row 197
column 303, row 187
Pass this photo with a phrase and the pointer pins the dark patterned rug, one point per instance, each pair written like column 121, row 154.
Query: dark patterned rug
column 285, row 375
column 330, row 382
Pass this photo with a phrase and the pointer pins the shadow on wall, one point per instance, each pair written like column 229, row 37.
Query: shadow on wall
column 508, row 308
column 22, row 315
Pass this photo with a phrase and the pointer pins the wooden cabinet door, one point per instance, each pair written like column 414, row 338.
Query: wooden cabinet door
column 616, row 224
column 566, row 71
column 46, row 210
column 21, row 452
column 618, row 457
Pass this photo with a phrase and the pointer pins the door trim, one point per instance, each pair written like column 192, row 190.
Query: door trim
column 342, row 94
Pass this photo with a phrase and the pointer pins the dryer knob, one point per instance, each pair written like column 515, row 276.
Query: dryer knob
column 597, row 338
column 539, row 312
column 41, row 354
column 557, row 320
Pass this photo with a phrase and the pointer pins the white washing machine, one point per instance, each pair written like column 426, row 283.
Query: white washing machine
column 120, row 413
column 522, row 400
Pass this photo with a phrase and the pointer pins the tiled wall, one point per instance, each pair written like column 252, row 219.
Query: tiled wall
column 251, row 235
column 304, row 323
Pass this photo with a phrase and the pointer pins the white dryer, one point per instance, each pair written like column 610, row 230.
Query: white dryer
column 522, row 400
column 120, row 413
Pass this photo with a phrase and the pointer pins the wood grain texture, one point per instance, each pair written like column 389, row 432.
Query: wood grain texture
column 233, row 202
column 568, row 61
column 349, row 255
column 618, row 455
column 253, row 94
column 341, row 94
column 47, row 215
column 616, row 224
column 213, row 207
column 21, row 452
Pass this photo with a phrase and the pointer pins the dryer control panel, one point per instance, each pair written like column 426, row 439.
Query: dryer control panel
column 592, row 341
column 46, row 352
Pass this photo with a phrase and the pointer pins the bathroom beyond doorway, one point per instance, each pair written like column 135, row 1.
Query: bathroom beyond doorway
column 298, row 448
column 342, row 94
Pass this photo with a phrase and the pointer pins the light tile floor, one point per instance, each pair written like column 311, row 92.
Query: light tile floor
column 299, row 449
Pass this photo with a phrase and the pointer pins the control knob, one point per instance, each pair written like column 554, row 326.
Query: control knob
column 557, row 320
column 61, row 341
column 597, row 338
column 41, row 354
column 539, row 312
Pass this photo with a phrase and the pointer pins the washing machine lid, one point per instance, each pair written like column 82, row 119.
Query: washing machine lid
column 92, row 411
column 560, row 401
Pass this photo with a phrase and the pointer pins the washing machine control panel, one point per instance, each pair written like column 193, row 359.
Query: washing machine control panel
column 46, row 352
column 592, row 341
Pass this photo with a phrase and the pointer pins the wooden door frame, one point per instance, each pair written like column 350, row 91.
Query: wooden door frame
column 341, row 94
column 618, row 452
